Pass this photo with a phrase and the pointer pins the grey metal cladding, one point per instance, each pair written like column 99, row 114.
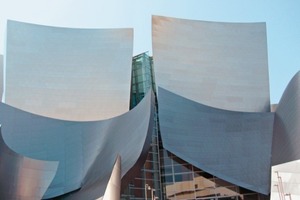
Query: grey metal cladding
column 1, row 76
column 48, row 68
column 21, row 177
column 86, row 151
column 113, row 189
column 223, row 65
column 234, row 146
column 134, row 147
column 286, row 137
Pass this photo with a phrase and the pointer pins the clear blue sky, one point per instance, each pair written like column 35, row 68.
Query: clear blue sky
column 282, row 18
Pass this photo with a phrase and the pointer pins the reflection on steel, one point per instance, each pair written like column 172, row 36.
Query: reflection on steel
column 234, row 146
column 65, row 73
column 223, row 65
column 22, row 177
column 286, row 137
column 112, row 191
column 86, row 151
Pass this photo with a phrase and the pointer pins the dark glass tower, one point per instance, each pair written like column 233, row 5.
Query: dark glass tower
column 148, row 183
column 142, row 78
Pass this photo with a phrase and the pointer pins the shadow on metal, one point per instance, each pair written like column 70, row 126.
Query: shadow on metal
column 86, row 151
column 234, row 146
column 21, row 177
column 286, row 138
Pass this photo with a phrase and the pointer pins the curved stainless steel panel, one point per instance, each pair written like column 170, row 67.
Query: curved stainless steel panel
column 234, row 146
column 113, row 189
column 223, row 65
column 86, row 150
column 1, row 76
column 22, row 177
column 65, row 73
column 133, row 155
column 286, row 137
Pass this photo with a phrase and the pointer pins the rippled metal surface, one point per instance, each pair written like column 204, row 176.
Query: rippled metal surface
column 86, row 151
column 65, row 73
column 223, row 65
column 234, row 146
column 22, row 177
column 286, row 138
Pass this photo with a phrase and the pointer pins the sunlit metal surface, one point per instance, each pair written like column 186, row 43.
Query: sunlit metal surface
column 234, row 146
column 286, row 138
column 22, row 177
column 65, row 73
column 223, row 65
column 112, row 191
column 86, row 151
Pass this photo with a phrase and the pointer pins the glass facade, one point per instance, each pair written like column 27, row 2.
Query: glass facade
column 148, row 182
column 142, row 78
column 181, row 180
column 164, row 175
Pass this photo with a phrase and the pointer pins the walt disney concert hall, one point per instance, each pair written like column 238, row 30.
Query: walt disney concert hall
column 81, row 118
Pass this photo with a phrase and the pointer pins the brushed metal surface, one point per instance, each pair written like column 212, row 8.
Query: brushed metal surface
column 234, row 146
column 286, row 137
column 1, row 76
column 21, row 177
column 86, row 151
column 113, row 189
column 65, row 73
column 223, row 65
column 134, row 147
